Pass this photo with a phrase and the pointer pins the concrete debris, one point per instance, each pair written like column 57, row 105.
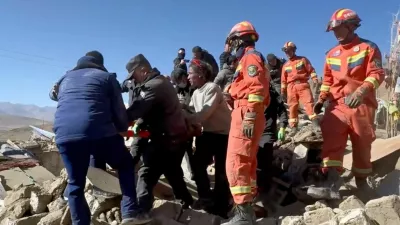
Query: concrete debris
column 318, row 216
column 57, row 204
column 34, row 219
column 307, row 134
column 351, row 202
column 53, row 218
column 293, row 220
column 385, row 210
column 39, row 200
column 317, row 205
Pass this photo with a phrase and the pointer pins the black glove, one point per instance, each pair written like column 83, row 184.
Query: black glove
column 318, row 107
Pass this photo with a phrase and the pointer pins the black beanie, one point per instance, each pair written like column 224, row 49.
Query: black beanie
column 97, row 55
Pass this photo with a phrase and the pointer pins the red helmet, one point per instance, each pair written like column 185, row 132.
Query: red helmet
column 343, row 16
column 289, row 45
column 241, row 29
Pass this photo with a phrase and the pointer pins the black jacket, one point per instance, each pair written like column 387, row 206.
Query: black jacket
column 155, row 101
column 208, row 58
column 276, row 71
column 177, row 64
column 276, row 108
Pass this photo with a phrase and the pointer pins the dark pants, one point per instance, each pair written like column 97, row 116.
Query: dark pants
column 264, row 167
column 76, row 157
column 161, row 156
column 210, row 145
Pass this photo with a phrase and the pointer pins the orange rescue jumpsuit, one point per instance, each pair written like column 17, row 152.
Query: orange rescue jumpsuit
column 347, row 68
column 295, row 75
column 250, row 92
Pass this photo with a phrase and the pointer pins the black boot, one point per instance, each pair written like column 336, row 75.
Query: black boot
column 365, row 189
column 329, row 186
column 244, row 215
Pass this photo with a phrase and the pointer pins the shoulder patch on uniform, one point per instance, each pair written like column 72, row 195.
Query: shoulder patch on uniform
column 252, row 70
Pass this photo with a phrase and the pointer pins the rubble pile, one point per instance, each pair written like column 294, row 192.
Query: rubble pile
column 351, row 211
column 45, row 205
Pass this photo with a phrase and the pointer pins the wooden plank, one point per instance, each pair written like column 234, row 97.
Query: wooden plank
column 380, row 149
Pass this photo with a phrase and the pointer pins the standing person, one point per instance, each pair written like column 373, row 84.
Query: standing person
column 225, row 76
column 270, row 135
column 158, row 106
column 185, row 91
column 203, row 55
column 90, row 114
column 223, row 58
column 352, row 72
column 274, row 66
column 295, row 75
column 213, row 114
column 250, row 92
column 180, row 61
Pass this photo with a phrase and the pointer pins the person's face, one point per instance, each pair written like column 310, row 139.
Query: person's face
column 139, row 75
column 182, row 83
column 341, row 32
column 194, row 78
column 234, row 65
column 197, row 55
column 181, row 54
column 289, row 52
column 272, row 62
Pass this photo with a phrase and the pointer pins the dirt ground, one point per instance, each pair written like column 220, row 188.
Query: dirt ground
column 22, row 133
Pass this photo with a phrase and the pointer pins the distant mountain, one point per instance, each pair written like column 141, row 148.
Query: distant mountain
column 8, row 122
column 28, row 111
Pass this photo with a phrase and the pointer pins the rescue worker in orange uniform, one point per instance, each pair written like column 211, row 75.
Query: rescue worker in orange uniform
column 352, row 72
column 295, row 75
column 250, row 93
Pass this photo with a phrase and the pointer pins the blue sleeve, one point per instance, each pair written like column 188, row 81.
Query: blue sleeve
column 118, row 109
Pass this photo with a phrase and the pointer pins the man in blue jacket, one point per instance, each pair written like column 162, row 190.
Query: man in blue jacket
column 89, row 117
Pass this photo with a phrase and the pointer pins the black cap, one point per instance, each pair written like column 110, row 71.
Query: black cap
column 197, row 49
column 134, row 63
column 97, row 55
column 181, row 49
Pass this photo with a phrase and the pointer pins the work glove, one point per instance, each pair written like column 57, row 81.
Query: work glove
column 318, row 107
column 356, row 99
column 248, row 124
column 281, row 134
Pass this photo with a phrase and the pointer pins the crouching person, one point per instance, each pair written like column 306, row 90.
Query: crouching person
column 90, row 114
column 157, row 104
column 212, row 112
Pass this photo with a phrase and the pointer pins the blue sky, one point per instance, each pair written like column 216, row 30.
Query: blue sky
column 42, row 39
